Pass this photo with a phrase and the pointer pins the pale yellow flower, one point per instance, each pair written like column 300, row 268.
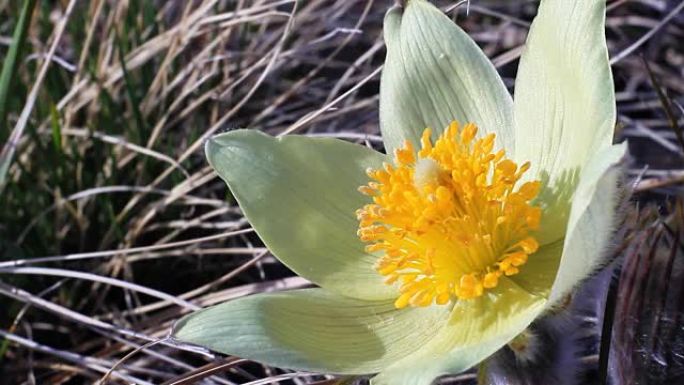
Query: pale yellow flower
column 466, row 233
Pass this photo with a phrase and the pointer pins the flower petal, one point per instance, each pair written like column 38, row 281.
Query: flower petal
column 477, row 328
column 435, row 73
column 313, row 330
column 538, row 274
column 564, row 97
column 300, row 195
column 592, row 220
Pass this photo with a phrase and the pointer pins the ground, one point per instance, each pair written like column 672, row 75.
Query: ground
column 123, row 227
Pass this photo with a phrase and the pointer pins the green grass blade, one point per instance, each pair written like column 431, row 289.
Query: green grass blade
column 130, row 91
column 10, row 63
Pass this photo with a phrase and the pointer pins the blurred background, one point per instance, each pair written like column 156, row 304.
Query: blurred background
column 112, row 224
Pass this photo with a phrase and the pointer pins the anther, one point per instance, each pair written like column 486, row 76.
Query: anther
column 447, row 220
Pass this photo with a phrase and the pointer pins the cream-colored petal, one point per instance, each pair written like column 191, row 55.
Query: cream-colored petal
column 592, row 220
column 435, row 73
column 539, row 273
column 313, row 330
column 564, row 98
column 477, row 328
column 300, row 195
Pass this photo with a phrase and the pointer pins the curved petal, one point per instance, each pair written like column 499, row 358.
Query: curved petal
column 539, row 273
column 592, row 220
column 300, row 194
column 564, row 96
column 477, row 328
column 434, row 73
column 555, row 199
column 313, row 330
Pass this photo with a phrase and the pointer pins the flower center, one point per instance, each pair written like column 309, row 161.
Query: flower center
column 450, row 220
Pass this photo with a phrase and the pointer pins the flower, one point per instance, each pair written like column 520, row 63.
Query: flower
column 466, row 234
column 448, row 220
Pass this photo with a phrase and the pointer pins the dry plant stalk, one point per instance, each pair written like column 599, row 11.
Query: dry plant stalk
column 115, row 224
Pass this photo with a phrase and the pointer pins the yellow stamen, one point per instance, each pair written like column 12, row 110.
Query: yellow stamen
column 449, row 220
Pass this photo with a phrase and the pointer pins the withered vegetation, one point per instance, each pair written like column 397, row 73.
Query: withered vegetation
column 112, row 224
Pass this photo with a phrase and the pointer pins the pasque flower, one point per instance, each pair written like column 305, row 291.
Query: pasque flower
column 485, row 212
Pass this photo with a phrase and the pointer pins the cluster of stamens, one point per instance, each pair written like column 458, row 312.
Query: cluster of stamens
column 449, row 220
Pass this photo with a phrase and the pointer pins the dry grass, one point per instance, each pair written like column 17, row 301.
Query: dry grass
column 112, row 223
